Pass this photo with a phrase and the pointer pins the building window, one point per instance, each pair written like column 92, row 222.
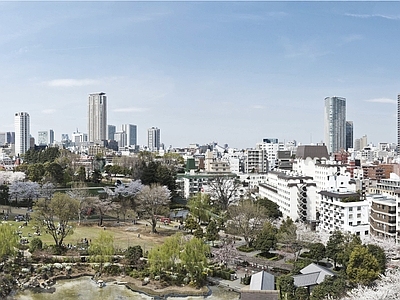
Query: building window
column 350, row 216
column 358, row 233
column 350, row 223
column 366, row 232
column 350, row 209
column 358, row 222
column 358, row 215
column 358, row 207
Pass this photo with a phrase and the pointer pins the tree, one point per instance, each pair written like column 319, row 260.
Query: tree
column 198, row 233
column 226, row 253
column 194, row 258
column 266, row 239
column 153, row 200
column 272, row 208
column 246, row 219
column 125, row 195
column 191, row 224
column 387, row 287
column 4, row 190
column 317, row 251
column 167, row 256
column 27, row 191
column 363, row 268
column 223, row 190
column 200, row 207
column 55, row 215
column 333, row 287
column 380, row 256
column 79, row 192
column 101, row 249
column 286, row 287
column 9, row 241
column 54, row 173
column 335, row 246
column 350, row 241
column 103, row 205
column 133, row 255
column 47, row 190
column 35, row 172
column 287, row 235
column 212, row 232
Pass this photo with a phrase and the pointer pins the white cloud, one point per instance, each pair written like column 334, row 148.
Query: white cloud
column 382, row 100
column 130, row 109
column 71, row 82
column 365, row 16
column 48, row 111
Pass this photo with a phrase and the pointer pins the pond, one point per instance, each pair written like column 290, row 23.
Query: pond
column 84, row 288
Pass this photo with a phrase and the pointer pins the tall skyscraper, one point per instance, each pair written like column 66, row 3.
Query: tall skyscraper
column 22, row 132
column 398, row 123
column 349, row 134
column 153, row 139
column 131, row 134
column 97, row 117
column 335, row 123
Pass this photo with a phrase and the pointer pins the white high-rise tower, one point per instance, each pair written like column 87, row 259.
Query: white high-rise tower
column 335, row 123
column 153, row 139
column 22, row 132
column 97, row 117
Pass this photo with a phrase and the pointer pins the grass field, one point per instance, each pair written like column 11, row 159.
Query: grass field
column 125, row 234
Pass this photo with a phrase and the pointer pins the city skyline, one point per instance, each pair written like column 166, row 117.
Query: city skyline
column 229, row 72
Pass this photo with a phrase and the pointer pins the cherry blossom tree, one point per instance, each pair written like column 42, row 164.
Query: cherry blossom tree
column 20, row 190
column 125, row 196
column 387, row 287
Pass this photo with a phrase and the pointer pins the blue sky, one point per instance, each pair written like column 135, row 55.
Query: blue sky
column 230, row 72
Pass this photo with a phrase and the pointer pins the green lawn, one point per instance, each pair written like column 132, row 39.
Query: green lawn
column 125, row 234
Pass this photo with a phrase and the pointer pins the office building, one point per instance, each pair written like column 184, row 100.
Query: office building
column 153, row 139
column 349, row 135
column 22, row 132
column 120, row 137
column 131, row 134
column 335, row 123
column 97, row 117
column 45, row 137
column 111, row 129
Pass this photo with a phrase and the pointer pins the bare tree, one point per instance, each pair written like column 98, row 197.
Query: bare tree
column 79, row 192
column 246, row 219
column 153, row 201
column 54, row 216
column 223, row 190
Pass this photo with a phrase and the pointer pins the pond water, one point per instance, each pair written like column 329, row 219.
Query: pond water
column 85, row 289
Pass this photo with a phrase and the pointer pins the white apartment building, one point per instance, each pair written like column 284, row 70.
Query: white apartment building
column 256, row 161
column 271, row 151
column 295, row 195
column 342, row 210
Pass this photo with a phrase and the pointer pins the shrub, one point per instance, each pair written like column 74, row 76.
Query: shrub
column 245, row 248
column 36, row 244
